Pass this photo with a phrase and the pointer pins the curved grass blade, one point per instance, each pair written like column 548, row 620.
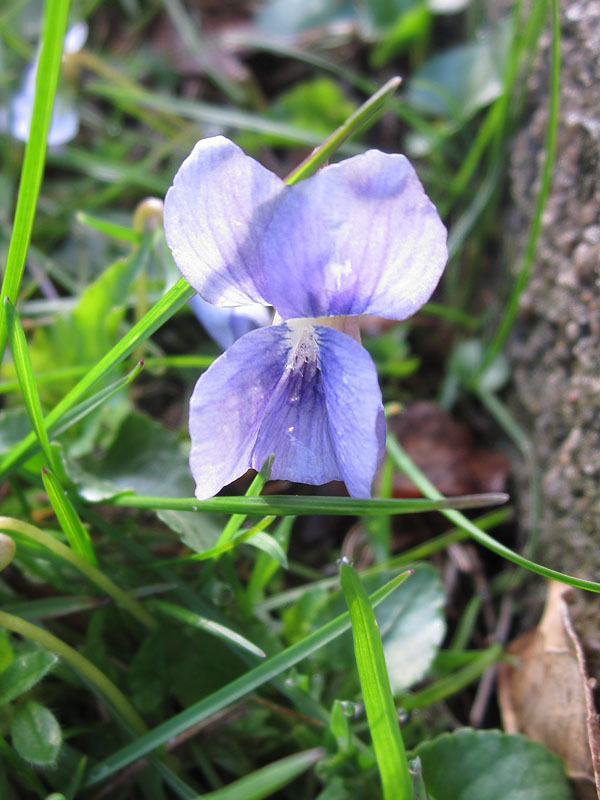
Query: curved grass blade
column 224, row 697
column 208, row 625
column 365, row 115
column 24, row 370
column 23, row 530
column 53, row 34
column 406, row 465
column 286, row 505
column 171, row 302
column 69, row 521
column 377, row 694
column 269, row 779
column 524, row 273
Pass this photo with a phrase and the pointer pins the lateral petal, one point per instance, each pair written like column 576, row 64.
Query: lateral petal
column 215, row 215
column 228, row 404
column 357, row 237
column 354, row 408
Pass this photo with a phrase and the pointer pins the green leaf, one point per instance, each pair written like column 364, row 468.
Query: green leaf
column 144, row 457
column 24, row 672
column 379, row 703
column 55, row 23
column 266, row 671
column 473, row 765
column 36, row 734
column 458, row 82
column 411, row 623
column 199, row 532
column 22, row 361
column 413, row 627
column 269, row 545
column 267, row 780
column 76, row 534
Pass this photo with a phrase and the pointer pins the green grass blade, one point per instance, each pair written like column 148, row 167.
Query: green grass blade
column 238, row 688
column 208, row 625
column 255, row 488
column 24, row 370
column 363, row 116
column 108, row 228
column 406, row 465
column 377, row 694
column 69, row 521
column 524, row 273
column 172, row 301
column 269, row 779
column 286, row 505
column 53, row 33
column 23, row 530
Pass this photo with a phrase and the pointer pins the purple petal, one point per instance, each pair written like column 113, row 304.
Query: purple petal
column 295, row 425
column 226, row 325
column 228, row 405
column 215, row 215
column 354, row 409
column 307, row 394
column 358, row 237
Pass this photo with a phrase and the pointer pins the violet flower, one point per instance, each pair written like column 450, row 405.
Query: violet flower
column 357, row 237
column 64, row 124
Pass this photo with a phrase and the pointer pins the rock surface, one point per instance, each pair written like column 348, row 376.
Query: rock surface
column 555, row 349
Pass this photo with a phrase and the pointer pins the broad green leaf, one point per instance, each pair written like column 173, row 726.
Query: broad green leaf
column 377, row 695
column 144, row 457
column 267, row 780
column 199, row 532
column 24, row 672
column 14, row 427
column 36, row 734
column 292, row 17
column 473, row 765
column 458, row 82
column 6, row 652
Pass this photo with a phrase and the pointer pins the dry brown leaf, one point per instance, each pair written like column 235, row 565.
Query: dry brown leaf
column 547, row 696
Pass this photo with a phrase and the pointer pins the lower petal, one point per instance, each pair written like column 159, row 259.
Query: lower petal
column 228, row 405
column 354, row 408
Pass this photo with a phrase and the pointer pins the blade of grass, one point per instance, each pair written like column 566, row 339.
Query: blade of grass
column 233, row 691
column 24, row 370
column 524, row 273
column 46, row 541
column 208, row 625
column 377, row 694
column 81, row 665
column 406, row 465
column 451, row 684
column 172, row 301
column 255, row 488
column 53, row 34
column 364, row 115
column 284, row 505
column 108, row 228
column 69, row 521
column 267, row 780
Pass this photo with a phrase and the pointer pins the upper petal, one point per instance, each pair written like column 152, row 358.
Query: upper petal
column 228, row 404
column 358, row 237
column 215, row 214
column 354, row 408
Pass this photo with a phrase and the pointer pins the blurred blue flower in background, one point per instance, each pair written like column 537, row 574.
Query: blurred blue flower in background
column 226, row 325
column 357, row 237
column 16, row 119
